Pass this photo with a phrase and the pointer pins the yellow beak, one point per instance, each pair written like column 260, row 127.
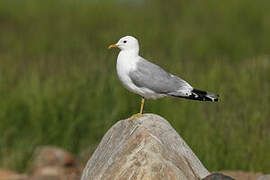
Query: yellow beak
column 112, row 46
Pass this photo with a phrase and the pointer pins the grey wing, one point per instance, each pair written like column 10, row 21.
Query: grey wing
column 153, row 77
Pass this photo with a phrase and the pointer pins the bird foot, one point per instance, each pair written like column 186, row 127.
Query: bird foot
column 135, row 116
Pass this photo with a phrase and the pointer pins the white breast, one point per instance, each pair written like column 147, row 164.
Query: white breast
column 126, row 62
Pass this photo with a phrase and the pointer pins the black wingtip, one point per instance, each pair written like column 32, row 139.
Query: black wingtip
column 204, row 96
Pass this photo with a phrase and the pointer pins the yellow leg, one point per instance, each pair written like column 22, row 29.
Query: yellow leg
column 138, row 115
column 142, row 105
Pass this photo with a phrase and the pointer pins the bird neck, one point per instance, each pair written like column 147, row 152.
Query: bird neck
column 130, row 52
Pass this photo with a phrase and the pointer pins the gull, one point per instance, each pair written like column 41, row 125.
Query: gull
column 149, row 80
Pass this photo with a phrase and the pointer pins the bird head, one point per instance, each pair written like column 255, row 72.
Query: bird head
column 126, row 43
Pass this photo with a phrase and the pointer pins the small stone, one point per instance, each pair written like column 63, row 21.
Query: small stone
column 217, row 176
column 52, row 156
column 242, row 175
column 52, row 163
column 54, row 173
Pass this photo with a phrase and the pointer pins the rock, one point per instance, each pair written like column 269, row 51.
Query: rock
column 52, row 163
column 48, row 173
column 54, row 173
column 149, row 148
column 265, row 177
column 241, row 175
column 10, row 175
column 52, row 156
column 217, row 176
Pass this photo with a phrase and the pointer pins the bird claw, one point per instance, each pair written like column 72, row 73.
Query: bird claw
column 135, row 116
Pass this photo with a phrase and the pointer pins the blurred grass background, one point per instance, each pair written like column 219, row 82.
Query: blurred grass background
column 58, row 83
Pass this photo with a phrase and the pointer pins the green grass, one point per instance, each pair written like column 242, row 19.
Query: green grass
column 58, row 83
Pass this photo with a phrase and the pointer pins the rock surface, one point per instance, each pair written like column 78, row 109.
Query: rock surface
column 148, row 148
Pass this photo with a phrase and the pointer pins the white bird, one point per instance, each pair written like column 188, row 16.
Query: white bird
column 149, row 80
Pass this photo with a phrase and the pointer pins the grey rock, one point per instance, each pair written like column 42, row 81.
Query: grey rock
column 217, row 176
column 149, row 148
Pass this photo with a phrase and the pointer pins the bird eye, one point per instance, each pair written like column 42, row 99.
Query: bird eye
column 125, row 41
